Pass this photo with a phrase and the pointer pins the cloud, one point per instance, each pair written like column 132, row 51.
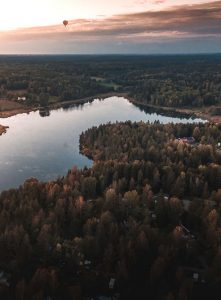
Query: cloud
column 187, row 22
column 142, row 2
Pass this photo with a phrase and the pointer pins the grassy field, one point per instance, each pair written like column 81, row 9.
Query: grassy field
column 104, row 82
column 6, row 105
column 10, row 108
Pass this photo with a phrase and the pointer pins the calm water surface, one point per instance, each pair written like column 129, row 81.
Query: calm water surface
column 48, row 147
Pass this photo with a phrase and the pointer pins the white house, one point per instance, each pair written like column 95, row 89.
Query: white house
column 21, row 99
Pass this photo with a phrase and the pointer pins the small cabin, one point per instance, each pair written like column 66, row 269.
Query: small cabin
column 166, row 197
column 153, row 216
column 195, row 277
column 87, row 262
column 21, row 99
column 196, row 274
column 186, row 140
column 112, row 283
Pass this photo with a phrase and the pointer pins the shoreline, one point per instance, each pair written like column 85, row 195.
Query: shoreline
column 86, row 99
column 202, row 113
column 26, row 110
column 13, row 112
column 195, row 112
column 10, row 113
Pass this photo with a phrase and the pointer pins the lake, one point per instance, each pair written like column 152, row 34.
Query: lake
column 47, row 147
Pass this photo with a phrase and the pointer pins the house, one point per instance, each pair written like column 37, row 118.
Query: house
column 186, row 140
column 166, row 197
column 87, row 262
column 197, row 274
column 112, row 283
column 195, row 277
column 155, row 199
column 153, row 216
column 21, row 99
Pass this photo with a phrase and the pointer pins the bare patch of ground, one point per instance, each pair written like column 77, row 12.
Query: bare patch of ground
column 3, row 129
column 10, row 108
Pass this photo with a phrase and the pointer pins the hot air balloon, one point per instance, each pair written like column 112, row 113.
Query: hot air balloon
column 65, row 22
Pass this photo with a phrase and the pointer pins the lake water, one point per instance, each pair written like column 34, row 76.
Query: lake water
column 48, row 147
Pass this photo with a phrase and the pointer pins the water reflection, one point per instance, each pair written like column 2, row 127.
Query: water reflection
column 166, row 112
column 78, row 106
column 46, row 147
column 44, row 112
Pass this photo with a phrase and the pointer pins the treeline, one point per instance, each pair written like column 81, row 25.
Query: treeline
column 179, row 93
column 124, row 219
column 173, row 81
column 47, row 82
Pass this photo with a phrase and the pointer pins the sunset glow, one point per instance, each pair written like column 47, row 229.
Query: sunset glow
column 25, row 13
column 95, row 25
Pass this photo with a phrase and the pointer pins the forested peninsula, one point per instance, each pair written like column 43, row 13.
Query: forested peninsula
column 143, row 222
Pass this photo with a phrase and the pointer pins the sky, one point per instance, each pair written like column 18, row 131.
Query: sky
column 106, row 27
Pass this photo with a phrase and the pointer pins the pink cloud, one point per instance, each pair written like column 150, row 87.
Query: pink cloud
column 182, row 22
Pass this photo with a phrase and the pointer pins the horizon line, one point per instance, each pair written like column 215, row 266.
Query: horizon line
column 111, row 54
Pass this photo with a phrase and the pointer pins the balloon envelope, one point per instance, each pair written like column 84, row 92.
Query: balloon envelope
column 65, row 22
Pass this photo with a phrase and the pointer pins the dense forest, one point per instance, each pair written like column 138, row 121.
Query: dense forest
column 142, row 223
column 157, row 153
column 171, row 81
